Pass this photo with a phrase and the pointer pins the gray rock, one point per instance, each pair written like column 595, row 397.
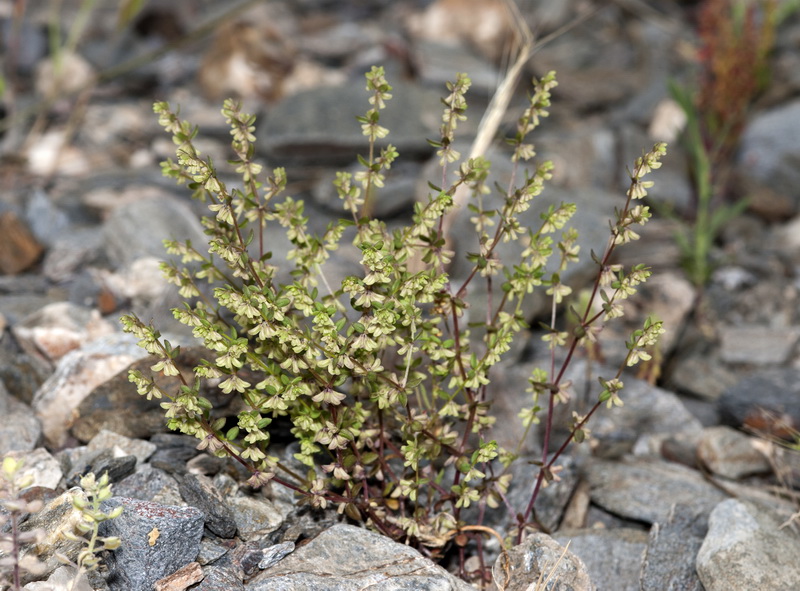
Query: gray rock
column 669, row 561
column 58, row 516
column 254, row 517
column 198, row 491
column 754, row 398
column 348, row 558
column 769, row 148
column 758, row 345
column 121, row 445
column 156, row 540
column 100, row 462
column 646, row 490
column 46, row 220
column 138, row 229
column 219, row 579
column 618, row 565
column 20, row 430
column 320, row 125
column 730, row 453
column 540, row 558
column 150, row 484
column 746, row 548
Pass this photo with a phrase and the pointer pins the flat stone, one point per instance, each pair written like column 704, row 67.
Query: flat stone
column 219, row 579
column 673, row 544
column 730, row 453
column 746, row 548
column 181, row 579
column 646, row 489
column 349, row 558
column 758, row 345
column 618, row 565
column 157, row 540
column 536, row 559
column 150, row 484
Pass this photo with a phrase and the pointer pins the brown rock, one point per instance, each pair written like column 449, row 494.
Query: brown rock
column 19, row 250
column 181, row 579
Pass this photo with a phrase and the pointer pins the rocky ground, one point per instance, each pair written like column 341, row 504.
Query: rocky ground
column 684, row 487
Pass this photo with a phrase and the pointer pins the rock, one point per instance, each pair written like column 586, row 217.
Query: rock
column 552, row 499
column 199, row 492
column 320, row 125
column 138, row 229
column 76, row 375
column 747, row 548
column 64, row 577
column 122, row 446
column 19, row 429
column 181, row 579
column 59, row 328
column 40, row 465
column 157, row 540
column 47, row 221
column 70, row 252
column 617, row 566
column 101, row 462
column 758, row 345
column 19, row 250
column 254, row 517
column 55, row 518
column 645, row 490
column 150, row 484
column 219, row 579
column 671, row 550
column 768, row 148
column 540, row 558
column 115, row 405
column 731, row 454
column 347, row 558
column 764, row 400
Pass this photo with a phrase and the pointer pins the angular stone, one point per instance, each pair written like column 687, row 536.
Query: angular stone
column 645, row 489
column 349, row 558
column 150, row 484
column 746, row 548
column 254, row 517
column 181, row 579
column 198, row 491
column 536, row 559
column 617, row 566
column 730, row 453
column 157, row 540
column 219, row 579
column 669, row 561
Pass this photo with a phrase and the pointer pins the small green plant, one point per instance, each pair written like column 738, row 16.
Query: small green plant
column 384, row 382
column 12, row 562
column 734, row 63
